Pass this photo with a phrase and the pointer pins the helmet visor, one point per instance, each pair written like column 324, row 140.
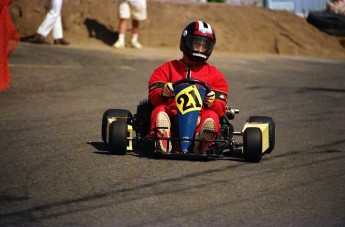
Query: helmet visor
column 200, row 44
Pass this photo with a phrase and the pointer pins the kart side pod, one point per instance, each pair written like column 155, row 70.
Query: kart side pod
column 255, row 140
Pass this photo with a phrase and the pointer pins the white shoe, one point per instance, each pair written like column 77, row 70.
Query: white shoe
column 207, row 132
column 164, row 132
column 119, row 44
column 136, row 44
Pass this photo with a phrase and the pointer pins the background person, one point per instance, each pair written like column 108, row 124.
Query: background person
column 9, row 39
column 135, row 9
column 51, row 23
column 197, row 42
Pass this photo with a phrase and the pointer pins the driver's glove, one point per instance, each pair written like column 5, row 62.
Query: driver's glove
column 168, row 90
column 209, row 98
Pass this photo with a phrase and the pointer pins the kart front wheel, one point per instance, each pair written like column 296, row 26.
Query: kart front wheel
column 252, row 145
column 271, row 129
column 118, row 131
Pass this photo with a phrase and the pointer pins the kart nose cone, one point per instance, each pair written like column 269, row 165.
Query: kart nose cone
column 188, row 99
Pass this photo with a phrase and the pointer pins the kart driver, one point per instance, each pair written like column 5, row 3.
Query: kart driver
column 197, row 43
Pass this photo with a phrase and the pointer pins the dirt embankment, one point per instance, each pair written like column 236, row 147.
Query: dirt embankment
column 239, row 29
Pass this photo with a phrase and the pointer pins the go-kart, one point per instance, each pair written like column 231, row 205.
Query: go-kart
column 119, row 127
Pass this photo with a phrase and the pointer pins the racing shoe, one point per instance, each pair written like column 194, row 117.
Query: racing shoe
column 163, row 131
column 207, row 132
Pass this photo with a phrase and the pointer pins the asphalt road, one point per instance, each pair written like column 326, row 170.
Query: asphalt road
column 50, row 175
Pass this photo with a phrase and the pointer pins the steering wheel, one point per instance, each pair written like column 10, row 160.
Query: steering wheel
column 193, row 81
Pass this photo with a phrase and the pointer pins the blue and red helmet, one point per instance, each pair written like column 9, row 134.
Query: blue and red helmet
column 197, row 41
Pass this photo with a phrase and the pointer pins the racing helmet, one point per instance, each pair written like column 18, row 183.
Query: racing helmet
column 197, row 41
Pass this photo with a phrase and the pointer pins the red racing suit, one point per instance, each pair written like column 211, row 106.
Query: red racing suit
column 175, row 70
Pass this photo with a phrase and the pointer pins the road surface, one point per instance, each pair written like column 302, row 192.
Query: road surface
column 51, row 175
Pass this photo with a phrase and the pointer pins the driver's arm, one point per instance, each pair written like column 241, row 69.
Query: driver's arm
column 156, row 83
column 220, row 88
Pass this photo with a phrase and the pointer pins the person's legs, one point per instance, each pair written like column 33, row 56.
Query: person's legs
column 124, row 15
column 47, row 25
column 135, row 30
column 208, row 129
column 57, row 29
column 120, row 43
column 161, row 126
column 135, row 27
column 139, row 13
column 58, row 32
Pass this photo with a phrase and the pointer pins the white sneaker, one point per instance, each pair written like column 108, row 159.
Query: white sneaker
column 164, row 122
column 119, row 44
column 207, row 132
column 136, row 44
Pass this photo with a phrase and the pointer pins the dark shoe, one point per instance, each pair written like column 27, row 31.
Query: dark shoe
column 39, row 39
column 61, row 42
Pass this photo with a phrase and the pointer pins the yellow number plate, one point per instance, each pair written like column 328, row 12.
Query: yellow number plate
column 188, row 99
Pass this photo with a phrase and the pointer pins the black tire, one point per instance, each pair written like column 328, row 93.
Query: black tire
column 331, row 23
column 118, row 131
column 120, row 113
column 271, row 130
column 252, row 145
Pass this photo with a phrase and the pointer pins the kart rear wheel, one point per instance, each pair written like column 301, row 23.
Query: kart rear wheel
column 118, row 131
column 252, row 145
column 271, row 130
column 118, row 113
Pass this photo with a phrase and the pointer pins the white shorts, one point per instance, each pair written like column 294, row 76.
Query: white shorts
column 132, row 9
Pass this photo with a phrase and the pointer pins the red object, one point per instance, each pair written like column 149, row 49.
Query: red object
column 174, row 71
column 9, row 39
